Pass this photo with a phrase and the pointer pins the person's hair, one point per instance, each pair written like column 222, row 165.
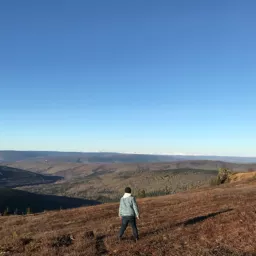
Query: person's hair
column 128, row 190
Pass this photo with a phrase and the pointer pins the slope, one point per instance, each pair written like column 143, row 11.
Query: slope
column 243, row 176
column 18, row 201
column 214, row 221
column 107, row 186
column 12, row 177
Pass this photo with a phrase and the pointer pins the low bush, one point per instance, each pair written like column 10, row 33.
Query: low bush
column 222, row 177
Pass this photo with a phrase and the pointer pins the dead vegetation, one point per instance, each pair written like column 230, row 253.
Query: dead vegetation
column 243, row 176
column 206, row 222
column 227, row 176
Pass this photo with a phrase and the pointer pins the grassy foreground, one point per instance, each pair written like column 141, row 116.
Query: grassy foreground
column 213, row 221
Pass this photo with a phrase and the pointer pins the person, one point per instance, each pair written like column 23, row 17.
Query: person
column 128, row 212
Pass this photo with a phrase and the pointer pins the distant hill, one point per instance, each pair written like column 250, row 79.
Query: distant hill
column 71, row 170
column 13, row 177
column 21, row 200
column 106, row 181
column 108, row 157
column 105, row 185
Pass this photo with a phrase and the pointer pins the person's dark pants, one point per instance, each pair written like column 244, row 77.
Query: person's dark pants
column 125, row 221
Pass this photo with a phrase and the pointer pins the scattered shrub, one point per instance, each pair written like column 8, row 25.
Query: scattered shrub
column 64, row 240
column 214, row 181
column 26, row 241
column 89, row 234
column 141, row 193
column 222, row 177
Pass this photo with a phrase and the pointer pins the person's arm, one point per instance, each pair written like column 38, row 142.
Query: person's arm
column 120, row 208
column 135, row 207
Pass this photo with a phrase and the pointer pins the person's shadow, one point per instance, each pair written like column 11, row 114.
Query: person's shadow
column 203, row 217
column 188, row 222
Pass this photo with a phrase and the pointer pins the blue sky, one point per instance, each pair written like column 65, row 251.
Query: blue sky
column 128, row 76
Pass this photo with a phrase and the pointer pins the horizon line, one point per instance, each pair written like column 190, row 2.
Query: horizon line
column 132, row 153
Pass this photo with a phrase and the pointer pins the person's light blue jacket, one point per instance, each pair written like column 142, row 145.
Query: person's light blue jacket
column 128, row 206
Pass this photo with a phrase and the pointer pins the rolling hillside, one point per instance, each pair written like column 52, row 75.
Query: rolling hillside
column 218, row 221
column 17, row 201
column 105, row 182
column 13, row 177
column 106, row 185
column 69, row 170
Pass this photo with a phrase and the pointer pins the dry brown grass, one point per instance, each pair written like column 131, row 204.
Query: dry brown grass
column 213, row 221
column 243, row 176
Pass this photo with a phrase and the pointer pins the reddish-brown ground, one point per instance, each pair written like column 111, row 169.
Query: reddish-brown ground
column 213, row 221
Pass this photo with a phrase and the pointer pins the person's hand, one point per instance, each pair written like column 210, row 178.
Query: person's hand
column 138, row 217
column 120, row 217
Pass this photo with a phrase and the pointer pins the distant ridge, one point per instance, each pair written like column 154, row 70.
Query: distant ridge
column 112, row 157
